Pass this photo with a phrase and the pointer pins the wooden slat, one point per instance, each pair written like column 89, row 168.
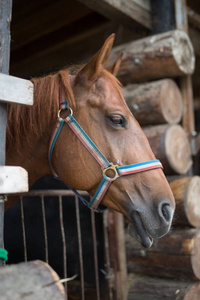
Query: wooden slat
column 123, row 11
column 16, row 90
column 13, row 180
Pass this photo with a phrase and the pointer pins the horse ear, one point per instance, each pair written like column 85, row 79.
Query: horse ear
column 114, row 68
column 93, row 69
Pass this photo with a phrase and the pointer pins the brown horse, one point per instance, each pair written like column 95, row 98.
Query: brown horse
column 95, row 96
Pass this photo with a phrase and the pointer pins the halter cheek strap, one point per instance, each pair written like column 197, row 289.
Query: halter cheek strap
column 98, row 156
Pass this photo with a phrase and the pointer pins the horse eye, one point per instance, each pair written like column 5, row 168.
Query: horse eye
column 117, row 120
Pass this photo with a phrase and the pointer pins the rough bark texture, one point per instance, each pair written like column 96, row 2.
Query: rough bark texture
column 32, row 280
column 171, row 146
column 155, row 103
column 169, row 54
column 175, row 256
column 148, row 288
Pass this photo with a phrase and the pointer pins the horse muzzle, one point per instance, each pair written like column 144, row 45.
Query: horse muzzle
column 146, row 226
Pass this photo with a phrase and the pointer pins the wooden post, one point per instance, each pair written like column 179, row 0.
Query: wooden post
column 162, row 15
column 5, row 19
column 186, row 81
column 115, row 255
column 156, row 102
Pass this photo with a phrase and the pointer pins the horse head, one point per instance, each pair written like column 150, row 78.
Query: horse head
column 144, row 198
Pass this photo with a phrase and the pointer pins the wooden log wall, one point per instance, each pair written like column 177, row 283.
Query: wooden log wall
column 158, row 107
column 159, row 102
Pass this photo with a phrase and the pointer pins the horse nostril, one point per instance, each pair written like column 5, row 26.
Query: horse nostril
column 166, row 212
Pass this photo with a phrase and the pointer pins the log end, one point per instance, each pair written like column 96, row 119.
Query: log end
column 178, row 149
column 192, row 201
column 183, row 52
column 171, row 102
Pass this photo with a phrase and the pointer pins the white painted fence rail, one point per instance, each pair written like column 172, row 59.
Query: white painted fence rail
column 15, row 90
column 13, row 180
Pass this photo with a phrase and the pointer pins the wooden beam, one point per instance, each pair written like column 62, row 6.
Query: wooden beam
column 43, row 19
column 5, row 19
column 193, row 17
column 127, row 12
column 16, row 90
column 13, row 180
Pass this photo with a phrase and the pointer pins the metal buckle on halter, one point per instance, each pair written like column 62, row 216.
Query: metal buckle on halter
column 111, row 167
column 71, row 112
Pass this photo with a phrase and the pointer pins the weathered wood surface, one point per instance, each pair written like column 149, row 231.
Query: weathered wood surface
column 34, row 280
column 13, row 180
column 176, row 255
column 169, row 54
column 125, row 12
column 171, row 146
column 5, row 19
column 115, row 258
column 187, row 195
column 156, row 102
column 148, row 288
column 16, row 90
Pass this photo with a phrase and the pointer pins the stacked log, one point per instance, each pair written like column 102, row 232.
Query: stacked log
column 30, row 280
column 156, row 288
column 186, row 191
column 156, row 102
column 158, row 107
column 169, row 54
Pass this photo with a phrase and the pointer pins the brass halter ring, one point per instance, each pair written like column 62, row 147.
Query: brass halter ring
column 71, row 112
column 111, row 167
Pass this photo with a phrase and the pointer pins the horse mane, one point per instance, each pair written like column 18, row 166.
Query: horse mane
column 23, row 120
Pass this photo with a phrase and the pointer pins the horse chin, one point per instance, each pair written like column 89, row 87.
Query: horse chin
column 138, row 232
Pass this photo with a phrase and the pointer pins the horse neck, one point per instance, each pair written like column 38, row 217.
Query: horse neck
column 30, row 128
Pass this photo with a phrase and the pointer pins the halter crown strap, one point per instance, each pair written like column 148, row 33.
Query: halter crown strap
column 98, row 156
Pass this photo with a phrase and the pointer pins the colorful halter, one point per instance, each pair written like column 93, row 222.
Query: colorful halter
column 98, row 156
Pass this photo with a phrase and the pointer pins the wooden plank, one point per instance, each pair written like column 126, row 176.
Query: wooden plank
column 123, row 11
column 13, row 180
column 31, row 281
column 16, row 90
column 186, row 81
column 5, row 19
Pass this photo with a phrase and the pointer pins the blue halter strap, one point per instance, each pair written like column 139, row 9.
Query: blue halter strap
column 98, row 156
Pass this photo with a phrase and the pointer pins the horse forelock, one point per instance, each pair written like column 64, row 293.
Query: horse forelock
column 27, row 123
